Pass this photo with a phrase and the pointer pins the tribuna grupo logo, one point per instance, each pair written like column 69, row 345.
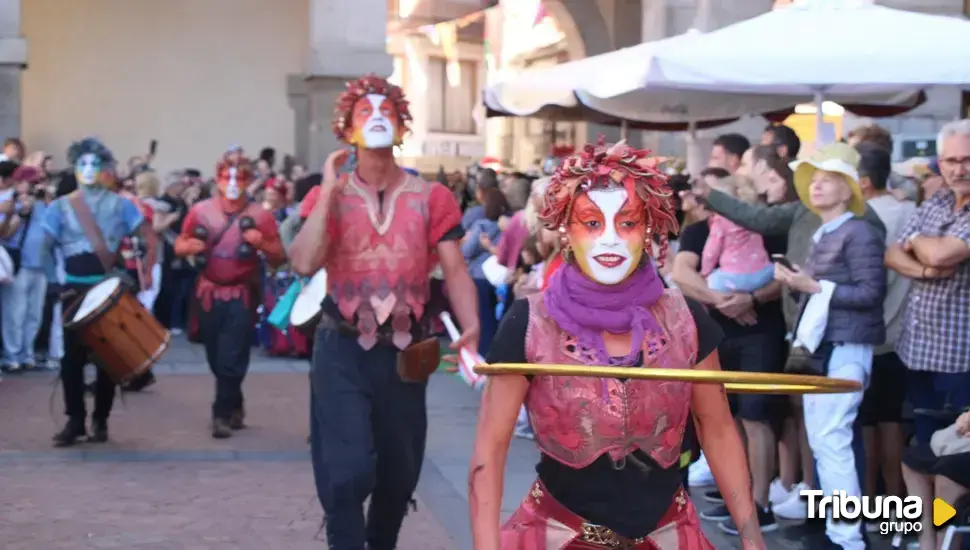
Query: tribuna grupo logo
column 893, row 514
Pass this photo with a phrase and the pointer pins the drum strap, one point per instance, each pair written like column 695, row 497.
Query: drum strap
column 86, row 220
column 225, row 229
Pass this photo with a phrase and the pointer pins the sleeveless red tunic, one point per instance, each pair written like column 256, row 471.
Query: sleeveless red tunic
column 379, row 266
column 578, row 419
column 226, row 276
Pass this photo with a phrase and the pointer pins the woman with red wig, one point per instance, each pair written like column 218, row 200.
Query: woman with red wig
column 609, row 474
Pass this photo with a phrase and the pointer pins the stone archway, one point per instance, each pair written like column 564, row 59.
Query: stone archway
column 589, row 31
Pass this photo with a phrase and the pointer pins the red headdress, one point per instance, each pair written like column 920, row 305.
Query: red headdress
column 362, row 87
column 605, row 167
column 244, row 169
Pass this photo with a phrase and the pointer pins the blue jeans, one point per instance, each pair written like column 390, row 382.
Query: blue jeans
column 723, row 281
column 23, row 313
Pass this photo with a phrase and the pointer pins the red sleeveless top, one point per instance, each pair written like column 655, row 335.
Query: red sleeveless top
column 578, row 419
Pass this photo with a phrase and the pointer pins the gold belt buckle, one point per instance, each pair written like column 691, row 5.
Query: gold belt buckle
column 603, row 536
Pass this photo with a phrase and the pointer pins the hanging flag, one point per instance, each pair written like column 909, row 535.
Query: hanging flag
column 448, row 34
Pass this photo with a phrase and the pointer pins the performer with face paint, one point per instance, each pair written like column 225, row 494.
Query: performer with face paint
column 229, row 233
column 87, row 263
column 609, row 473
column 378, row 232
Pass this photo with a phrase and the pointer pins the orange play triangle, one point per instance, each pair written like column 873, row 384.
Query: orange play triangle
column 942, row 512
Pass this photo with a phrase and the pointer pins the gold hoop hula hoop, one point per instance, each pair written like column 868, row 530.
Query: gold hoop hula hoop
column 734, row 382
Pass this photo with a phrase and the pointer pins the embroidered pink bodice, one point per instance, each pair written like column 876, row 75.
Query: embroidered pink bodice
column 378, row 269
column 578, row 419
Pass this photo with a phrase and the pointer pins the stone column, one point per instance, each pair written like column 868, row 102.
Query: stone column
column 348, row 38
column 13, row 59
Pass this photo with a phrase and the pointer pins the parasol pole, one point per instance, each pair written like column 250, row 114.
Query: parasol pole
column 819, row 117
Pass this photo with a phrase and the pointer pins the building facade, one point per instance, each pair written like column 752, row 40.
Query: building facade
column 199, row 75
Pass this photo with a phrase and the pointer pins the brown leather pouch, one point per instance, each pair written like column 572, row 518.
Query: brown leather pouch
column 418, row 361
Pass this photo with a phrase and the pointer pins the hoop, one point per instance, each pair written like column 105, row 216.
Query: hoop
column 734, row 382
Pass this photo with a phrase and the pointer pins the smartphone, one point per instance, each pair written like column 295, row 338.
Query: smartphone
column 781, row 259
column 153, row 147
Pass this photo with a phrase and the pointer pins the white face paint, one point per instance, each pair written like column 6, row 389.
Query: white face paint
column 87, row 168
column 606, row 255
column 378, row 130
column 233, row 192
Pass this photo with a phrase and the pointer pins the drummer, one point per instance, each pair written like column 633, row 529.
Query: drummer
column 90, row 254
column 230, row 232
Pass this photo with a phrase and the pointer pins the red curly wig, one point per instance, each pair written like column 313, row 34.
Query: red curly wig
column 362, row 87
column 604, row 166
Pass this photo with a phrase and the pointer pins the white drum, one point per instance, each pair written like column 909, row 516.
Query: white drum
column 97, row 296
column 309, row 304
column 124, row 338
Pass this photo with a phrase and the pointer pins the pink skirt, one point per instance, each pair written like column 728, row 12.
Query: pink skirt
column 542, row 523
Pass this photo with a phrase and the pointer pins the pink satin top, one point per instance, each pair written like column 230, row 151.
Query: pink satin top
column 578, row 419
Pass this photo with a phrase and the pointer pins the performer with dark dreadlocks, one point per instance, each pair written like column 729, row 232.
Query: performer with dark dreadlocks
column 230, row 233
column 378, row 232
column 609, row 475
column 90, row 255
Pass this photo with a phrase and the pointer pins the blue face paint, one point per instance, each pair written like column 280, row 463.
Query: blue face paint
column 87, row 168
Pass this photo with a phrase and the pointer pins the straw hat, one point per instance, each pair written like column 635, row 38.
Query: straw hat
column 840, row 158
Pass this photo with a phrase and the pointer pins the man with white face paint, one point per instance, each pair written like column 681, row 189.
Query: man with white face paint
column 378, row 231
column 87, row 263
column 232, row 234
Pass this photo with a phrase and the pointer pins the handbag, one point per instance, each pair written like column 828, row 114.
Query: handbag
column 7, row 269
column 814, row 363
column 15, row 253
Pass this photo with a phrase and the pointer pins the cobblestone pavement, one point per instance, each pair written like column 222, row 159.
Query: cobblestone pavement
column 163, row 484
column 173, row 506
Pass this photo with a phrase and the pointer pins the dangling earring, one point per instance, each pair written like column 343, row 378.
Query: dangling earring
column 564, row 247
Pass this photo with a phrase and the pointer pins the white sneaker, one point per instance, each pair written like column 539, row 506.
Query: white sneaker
column 777, row 493
column 699, row 473
column 795, row 507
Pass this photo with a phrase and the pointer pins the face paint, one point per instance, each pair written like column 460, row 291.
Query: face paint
column 374, row 123
column 231, row 188
column 87, row 168
column 607, row 232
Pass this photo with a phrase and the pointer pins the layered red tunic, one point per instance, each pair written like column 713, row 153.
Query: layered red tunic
column 226, row 275
column 383, row 251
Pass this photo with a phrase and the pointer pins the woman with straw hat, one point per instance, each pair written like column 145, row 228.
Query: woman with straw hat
column 841, row 291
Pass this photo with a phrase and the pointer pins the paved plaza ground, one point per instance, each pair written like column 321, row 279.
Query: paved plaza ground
column 163, row 484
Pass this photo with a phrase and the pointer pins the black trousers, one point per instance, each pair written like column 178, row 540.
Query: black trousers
column 76, row 358
column 368, row 431
column 227, row 335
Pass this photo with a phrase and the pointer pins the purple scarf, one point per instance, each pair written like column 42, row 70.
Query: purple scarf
column 586, row 309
